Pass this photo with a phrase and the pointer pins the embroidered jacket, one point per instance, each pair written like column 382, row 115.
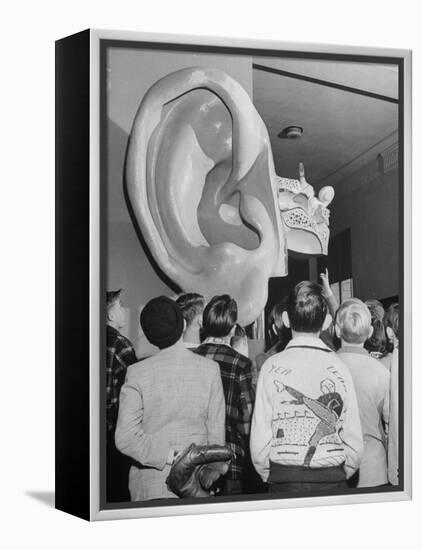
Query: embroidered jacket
column 306, row 413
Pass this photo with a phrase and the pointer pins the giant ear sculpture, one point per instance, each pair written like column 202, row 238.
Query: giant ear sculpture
column 201, row 182
column 199, row 177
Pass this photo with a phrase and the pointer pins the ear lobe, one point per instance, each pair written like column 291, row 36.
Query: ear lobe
column 285, row 319
column 327, row 322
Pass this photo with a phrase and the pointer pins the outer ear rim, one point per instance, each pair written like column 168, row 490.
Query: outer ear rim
column 337, row 330
column 327, row 322
column 390, row 333
column 285, row 319
column 110, row 313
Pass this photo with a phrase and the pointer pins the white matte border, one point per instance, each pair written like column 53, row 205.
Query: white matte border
column 219, row 507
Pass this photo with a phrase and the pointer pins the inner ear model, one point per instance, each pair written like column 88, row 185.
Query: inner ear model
column 201, row 183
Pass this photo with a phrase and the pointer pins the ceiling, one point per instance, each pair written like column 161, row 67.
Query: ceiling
column 340, row 126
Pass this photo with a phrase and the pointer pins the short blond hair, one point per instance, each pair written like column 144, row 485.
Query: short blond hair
column 354, row 321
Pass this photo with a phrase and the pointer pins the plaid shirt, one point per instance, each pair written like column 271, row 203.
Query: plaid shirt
column 120, row 354
column 236, row 376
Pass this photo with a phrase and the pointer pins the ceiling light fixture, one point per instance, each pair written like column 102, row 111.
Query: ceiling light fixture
column 291, row 132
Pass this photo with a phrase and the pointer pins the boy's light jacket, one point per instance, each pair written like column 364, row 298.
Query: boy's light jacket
column 168, row 401
column 393, row 436
column 372, row 385
column 306, row 412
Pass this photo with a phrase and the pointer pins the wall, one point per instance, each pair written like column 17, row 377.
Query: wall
column 368, row 202
column 130, row 73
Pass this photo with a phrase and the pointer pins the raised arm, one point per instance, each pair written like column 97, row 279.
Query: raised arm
column 328, row 293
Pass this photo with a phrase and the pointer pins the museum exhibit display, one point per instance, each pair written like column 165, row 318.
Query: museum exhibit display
column 233, row 246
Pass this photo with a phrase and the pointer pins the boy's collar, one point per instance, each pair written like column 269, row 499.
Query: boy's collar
column 308, row 342
column 190, row 345
column 112, row 328
column 179, row 345
column 353, row 349
column 217, row 341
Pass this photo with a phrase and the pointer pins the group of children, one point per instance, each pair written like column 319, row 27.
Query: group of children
column 324, row 417
column 318, row 410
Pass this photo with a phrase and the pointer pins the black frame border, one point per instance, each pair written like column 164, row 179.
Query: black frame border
column 72, row 293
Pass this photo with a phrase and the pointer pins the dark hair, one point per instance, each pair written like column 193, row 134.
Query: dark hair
column 276, row 318
column 220, row 316
column 306, row 307
column 191, row 304
column 278, row 342
column 391, row 318
column 377, row 343
column 112, row 296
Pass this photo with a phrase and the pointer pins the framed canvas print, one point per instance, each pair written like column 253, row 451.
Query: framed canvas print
column 233, row 275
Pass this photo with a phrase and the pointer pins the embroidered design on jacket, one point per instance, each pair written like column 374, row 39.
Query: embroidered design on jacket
column 307, row 428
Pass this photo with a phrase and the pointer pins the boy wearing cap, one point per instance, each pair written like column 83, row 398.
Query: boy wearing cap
column 168, row 401
column 120, row 354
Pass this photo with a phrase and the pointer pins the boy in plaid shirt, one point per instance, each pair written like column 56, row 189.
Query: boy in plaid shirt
column 120, row 354
column 219, row 323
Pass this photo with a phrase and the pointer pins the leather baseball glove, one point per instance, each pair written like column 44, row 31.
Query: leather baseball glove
column 197, row 468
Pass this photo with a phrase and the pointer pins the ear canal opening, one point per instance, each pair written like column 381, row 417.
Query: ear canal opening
column 231, row 213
